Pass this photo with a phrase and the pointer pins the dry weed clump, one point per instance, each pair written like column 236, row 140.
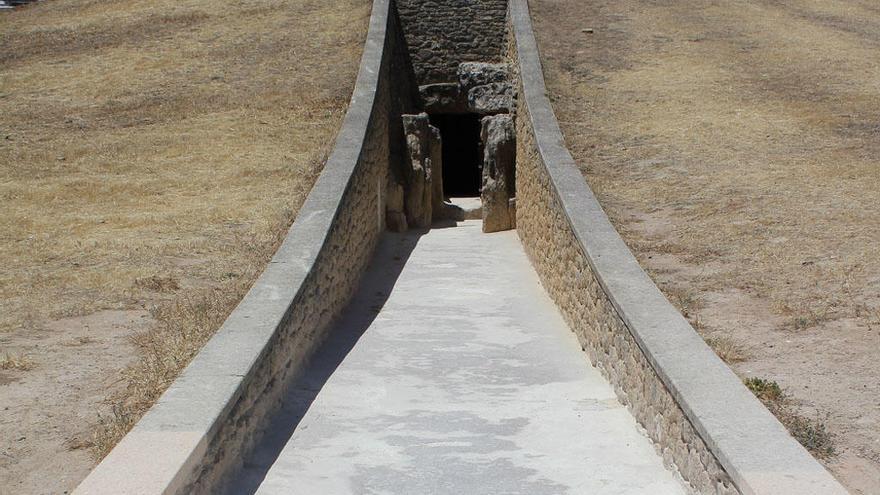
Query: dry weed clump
column 685, row 300
column 804, row 315
column 727, row 349
column 766, row 390
column 158, row 283
column 811, row 433
column 17, row 362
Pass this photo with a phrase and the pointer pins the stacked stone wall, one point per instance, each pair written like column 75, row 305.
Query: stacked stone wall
column 568, row 278
column 328, row 287
column 323, row 295
column 565, row 272
column 196, row 436
column 440, row 34
column 706, row 425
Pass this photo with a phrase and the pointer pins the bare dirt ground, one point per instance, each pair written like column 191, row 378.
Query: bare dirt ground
column 152, row 154
column 736, row 145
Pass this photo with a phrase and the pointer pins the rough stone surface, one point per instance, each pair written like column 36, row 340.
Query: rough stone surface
column 511, row 205
column 441, row 380
column 443, row 98
column 491, row 98
column 481, row 87
column 473, row 74
column 418, row 173
column 435, row 150
column 395, row 218
column 499, row 159
column 441, row 34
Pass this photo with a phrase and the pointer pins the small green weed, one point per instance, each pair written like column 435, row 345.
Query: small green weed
column 812, row 434
column 766, row 390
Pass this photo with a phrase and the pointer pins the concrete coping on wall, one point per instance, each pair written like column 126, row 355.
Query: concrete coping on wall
column 753, row 447
column 169, row 445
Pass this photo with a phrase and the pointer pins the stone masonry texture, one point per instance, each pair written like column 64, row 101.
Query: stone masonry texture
column 440, row 34
column 330, row 284
column 325, row 292
column 567, row 276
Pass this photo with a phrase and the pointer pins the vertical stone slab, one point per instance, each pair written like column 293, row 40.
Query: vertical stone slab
column 395, row 218
column 498, row 134
column 417, row 170
column 486, row 87
column 436, row 157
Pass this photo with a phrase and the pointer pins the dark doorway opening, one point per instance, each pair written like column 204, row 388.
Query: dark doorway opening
column 462, row 154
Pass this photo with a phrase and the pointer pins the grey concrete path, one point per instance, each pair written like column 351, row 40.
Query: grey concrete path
column 453, row 373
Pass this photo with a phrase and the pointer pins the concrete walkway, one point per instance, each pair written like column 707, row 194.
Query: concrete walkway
column 453, row 373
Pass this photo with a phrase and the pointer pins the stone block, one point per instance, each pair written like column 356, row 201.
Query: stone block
column 511, row 209
column 443, row 98
column 498, row 134
column 435, row 151
column 417, row 170
column 491, row 98
column 473, row 74
column 395, row 218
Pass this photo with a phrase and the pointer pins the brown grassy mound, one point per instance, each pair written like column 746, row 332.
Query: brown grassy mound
column 152, row 154
column 735, row 145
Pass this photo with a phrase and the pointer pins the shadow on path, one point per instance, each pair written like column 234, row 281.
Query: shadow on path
column 388, row 261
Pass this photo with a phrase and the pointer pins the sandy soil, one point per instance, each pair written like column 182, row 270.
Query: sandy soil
column 152, row 154
column 735, row 145
column 49, row 411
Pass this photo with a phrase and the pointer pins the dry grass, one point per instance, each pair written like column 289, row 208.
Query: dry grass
column 748, row 127
column 727, row 349
column 17, row 362
column 688, row 302
column 152, row 154
column 766, row 390
column 685, row 300
column 734, row 145
column 811, row 433
column 184, row 325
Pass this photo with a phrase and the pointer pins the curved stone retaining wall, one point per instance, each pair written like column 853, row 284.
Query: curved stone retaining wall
column 198, row 431
column 705, row 423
